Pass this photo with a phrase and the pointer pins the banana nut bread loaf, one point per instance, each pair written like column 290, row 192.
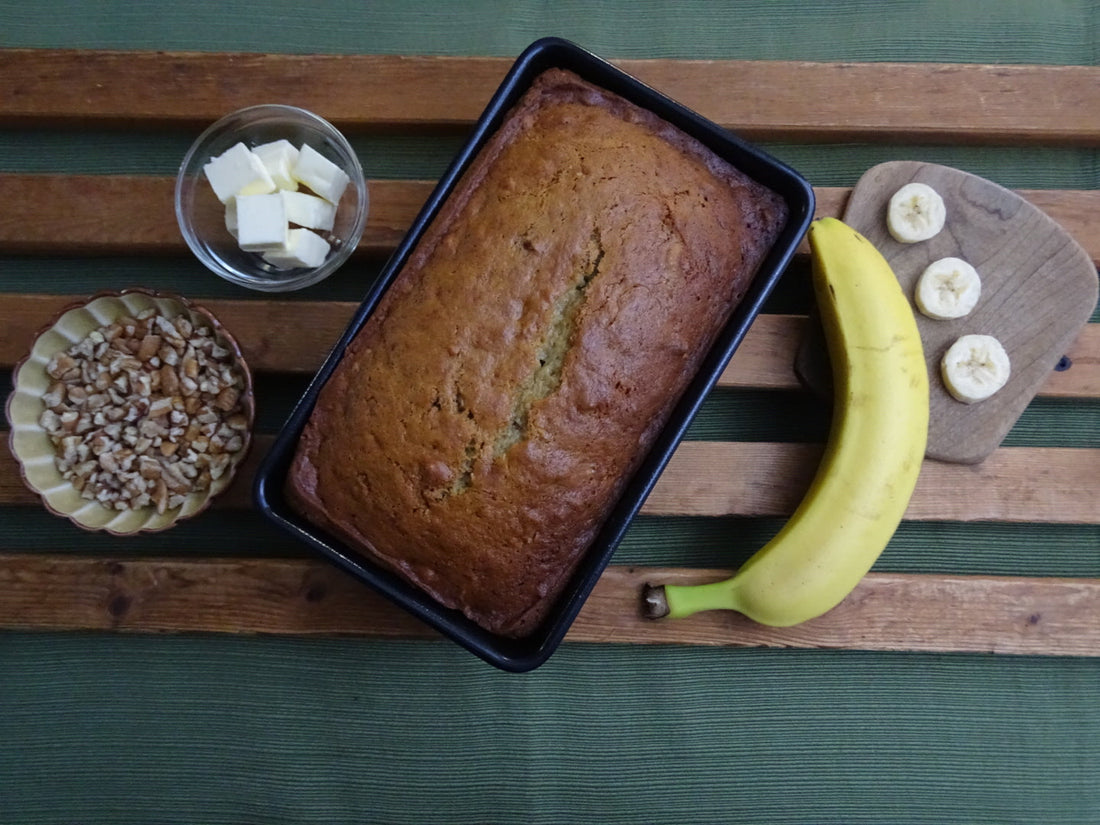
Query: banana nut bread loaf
column 485, row 418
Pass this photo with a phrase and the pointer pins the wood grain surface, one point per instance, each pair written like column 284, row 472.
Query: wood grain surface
column 130, row 214
column 1018, row 615
column 789, row 100
column 1054, row 485
column 95, row 215
column 765, row 359
column 1039, row 288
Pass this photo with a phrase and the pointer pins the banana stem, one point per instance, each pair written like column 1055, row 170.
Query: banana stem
column 654, row 603
column 684, row 600
column 676, row 601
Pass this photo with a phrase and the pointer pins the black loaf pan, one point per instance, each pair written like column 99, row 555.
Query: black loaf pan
column 525, row 654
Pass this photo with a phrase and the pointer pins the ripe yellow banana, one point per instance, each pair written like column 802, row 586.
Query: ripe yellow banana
column 871, row 461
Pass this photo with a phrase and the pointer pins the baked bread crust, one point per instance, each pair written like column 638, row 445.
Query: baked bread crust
column 484, row 420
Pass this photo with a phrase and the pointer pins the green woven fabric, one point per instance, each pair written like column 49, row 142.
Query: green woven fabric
column 108, row 728
column 986, row 31
column 140, row 730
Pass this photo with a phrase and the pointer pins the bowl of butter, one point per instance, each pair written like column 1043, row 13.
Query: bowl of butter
column 271, row 197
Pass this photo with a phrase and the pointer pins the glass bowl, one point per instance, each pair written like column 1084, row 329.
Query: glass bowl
column 36, row 453
column 201, row 215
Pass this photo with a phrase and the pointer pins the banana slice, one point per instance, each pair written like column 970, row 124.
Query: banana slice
column 915, row 213
column 948, row 288
column 975, row 367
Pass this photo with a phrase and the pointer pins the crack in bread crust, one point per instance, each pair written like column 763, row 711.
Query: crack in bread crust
column 546, row 378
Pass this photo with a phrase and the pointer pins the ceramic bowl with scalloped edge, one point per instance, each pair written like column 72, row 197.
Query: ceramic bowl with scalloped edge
column 35, row 452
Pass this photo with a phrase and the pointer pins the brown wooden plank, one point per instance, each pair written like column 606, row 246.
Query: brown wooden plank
column 886, row 611
column 789, row 100
column 764, row 360
column 259, row 326
column 892, row 612
column 133, row 214
column 1016, row 484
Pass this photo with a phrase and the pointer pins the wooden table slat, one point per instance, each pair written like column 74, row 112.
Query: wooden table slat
column 62, row 214
column 765, row 359
column 95, row 215
column 1015, row 484
column 896, row 612
column 785, row 100
column 1055, row 485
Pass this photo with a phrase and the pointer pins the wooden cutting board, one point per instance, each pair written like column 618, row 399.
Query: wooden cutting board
column 1039, row 288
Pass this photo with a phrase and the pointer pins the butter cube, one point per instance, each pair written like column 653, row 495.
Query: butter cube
column 261, row 222
column 279, row 157
column 237, row 171
column 320, row 174
column 304, row 249
column 307, row 210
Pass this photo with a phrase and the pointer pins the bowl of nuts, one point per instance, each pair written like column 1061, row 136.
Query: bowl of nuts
column 132, row 411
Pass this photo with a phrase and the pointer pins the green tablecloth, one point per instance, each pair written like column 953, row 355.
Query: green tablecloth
column 113, row 729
